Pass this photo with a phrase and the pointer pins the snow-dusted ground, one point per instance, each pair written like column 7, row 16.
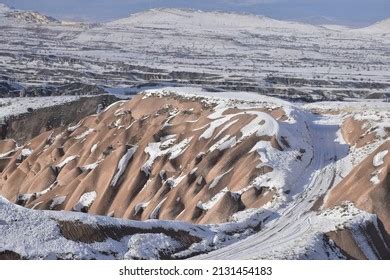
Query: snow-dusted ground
column 17, row 106
column 218, row 50
column 36, row 235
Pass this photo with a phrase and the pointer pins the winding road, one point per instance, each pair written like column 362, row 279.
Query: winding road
column 287, row 232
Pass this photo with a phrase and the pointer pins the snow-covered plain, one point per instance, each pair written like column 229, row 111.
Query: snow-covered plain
column 17, row 106
column 216, row 50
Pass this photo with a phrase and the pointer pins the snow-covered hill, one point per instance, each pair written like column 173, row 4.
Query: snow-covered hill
column 9, row 16
column 185, row 18
column 379, row 27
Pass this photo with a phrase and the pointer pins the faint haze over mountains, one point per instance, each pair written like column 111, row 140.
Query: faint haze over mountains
column 346, row 12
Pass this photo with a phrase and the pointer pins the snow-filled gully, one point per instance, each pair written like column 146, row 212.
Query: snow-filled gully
column 290, row 226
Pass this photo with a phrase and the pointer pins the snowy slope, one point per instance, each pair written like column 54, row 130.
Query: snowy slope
column 379, row 27
column 210, row 20
column 282, row 214
column 13, row 16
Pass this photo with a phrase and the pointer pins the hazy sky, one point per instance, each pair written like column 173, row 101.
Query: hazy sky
column 355, row 12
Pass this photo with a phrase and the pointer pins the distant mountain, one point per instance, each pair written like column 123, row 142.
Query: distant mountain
column 31, row 17
column 203, row 20
column 20, row 16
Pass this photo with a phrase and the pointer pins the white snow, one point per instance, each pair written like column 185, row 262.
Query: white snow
column 58, row 200
column 157, row 149
column 19, row 105
column 66, row 161
column 156, row 210
column 84, row 134
column 94, row 147
column 216, row 180
column 6, row 154
column 25, row 197
column 74, row 127
column 212, row 126
column 379, row 158
column 149, row 246
column 86, row 200
column 225, row 143
column 211, row 203
column 26, row 152
column 91, row 166
column 262, row 125
column 375, row 180
column 122, row 165
column 21, row 229
column 178, row 149
column 173, row 182
column 378, row 27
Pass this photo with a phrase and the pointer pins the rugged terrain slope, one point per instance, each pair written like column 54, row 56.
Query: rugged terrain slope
column 229, row 175
column 168, row 157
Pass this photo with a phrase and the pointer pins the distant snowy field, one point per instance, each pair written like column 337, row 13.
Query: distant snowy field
column 217, row 50
column 17, row 106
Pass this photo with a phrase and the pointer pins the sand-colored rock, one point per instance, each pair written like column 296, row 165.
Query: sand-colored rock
column 107, row 154
column 366, row 193
column 355, row 133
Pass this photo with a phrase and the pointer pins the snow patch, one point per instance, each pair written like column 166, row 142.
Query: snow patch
column 86, row 200
column 379, row 158
column 66, row 161
column 84, row 134
column 211, row 203
column 150, row 246
column 57, row 201
column 122, row 165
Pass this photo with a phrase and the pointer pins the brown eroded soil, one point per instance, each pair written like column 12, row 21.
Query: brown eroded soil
column 172, row 188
